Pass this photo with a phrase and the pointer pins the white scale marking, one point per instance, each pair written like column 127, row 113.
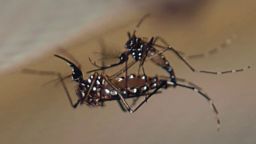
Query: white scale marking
column 145, row 88
column 131, row 76
column 113, row 92
column 196, row 90
column 98, row 82
column 119, row 79
column 135, row 90
column 107, row 91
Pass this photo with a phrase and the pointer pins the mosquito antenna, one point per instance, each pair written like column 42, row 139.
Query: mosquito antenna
column 142, row 19
column 139, row 23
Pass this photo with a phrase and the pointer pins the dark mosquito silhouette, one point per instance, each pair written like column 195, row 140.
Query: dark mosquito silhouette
column 99, row 88
column 141, row 50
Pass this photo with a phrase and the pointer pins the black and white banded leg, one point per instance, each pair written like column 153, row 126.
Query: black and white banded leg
column 201, row 71
column 211, row 103
column 163, row 84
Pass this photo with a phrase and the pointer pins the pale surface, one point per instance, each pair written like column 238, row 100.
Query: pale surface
column 29, row 28
column 32, row 113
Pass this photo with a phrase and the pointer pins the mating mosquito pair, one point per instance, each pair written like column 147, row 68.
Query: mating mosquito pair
column 100, row 87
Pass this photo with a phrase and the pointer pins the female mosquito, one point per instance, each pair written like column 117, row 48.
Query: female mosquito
column 99, row 88
column 140, row 50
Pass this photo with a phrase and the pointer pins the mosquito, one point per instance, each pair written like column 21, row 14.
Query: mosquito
column 141, row 50
column 99, row 88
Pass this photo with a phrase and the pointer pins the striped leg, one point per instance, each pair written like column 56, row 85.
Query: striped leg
column 201, row 71
column 211, row 103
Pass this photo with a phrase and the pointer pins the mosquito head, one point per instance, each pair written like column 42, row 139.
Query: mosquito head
column 133, row 42
column 77, row 74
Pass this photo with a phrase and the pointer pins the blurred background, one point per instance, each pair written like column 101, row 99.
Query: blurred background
column 214, row 35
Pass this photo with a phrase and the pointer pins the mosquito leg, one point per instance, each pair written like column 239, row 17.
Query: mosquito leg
column 191, row 67
column 161, row 61
column 211, row 103
column 224, row 72
column 206, row 71
column 126, row 78
column 74, row 105
column 165, row 43
column 123, row 58
column 118, row 73
column 148, row 96
column 141, row 66
column 125, row 104
column 134, row 101
column 123, row 108
column 90, row 88
column 60, row 78
column 143, row 70
column 189, row 83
